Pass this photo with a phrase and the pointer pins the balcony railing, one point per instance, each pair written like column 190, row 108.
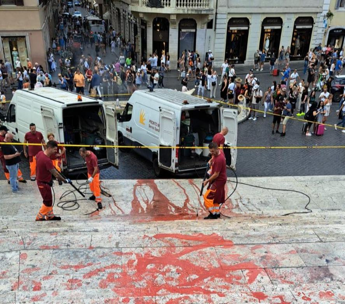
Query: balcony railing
column 184, row 4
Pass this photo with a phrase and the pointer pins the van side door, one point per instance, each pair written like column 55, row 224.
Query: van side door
column 49, row 122
column 167, row 140
column 11, row 121
column 229, row 120
column 112, row 136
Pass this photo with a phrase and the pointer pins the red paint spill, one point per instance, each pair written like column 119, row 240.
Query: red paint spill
column 46, row 247
column 37, row 286
column 73, row 284
column 16, row 285
column 76, row 267
column 48, row 277
column 38, row 297
column 31, row 270
column 99, row 270
column 54, row 233
column 175, row 270
column 326, row 295
column 23, row 256
column 260, row 296
column 55, row 293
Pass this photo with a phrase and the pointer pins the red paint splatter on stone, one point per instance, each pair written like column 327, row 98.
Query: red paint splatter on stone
column 48, row 277
column 76, row 267
column 38, row 297
column 326, row 295
column 31, row 270
column 47, row 247
column 16, row 285
column 73, row 284
column 55, row 293
column 37, row 286
column 23, row 256
column 260, row 296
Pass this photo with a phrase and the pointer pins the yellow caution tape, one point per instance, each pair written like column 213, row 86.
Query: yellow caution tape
column 179, row 147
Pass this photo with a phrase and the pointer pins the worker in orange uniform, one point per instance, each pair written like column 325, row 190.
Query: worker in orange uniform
column 215, row 194
column 45, row 170
column 33, row 137
column 3, row 131
column 57, row 158
column 93, row 175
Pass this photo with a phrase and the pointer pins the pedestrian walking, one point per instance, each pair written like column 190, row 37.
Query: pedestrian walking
column 256, row 99
column 287, row 113
column 10, row 157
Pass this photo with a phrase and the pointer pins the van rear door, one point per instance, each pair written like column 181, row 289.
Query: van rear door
column 229, row 120
column 49, row 122
column 167, row 140
column 111, row 136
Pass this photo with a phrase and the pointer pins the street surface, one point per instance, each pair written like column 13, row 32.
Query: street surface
column 253, row 162
column 150, row 244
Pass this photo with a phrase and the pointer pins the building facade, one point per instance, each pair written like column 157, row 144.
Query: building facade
column 26, row 29
column 334, row 25
column 231, row 29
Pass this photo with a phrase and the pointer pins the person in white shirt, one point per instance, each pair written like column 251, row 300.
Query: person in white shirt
column 324, row 95
column 213, row 85
column 232, row 72
column 294, row 77
column 143, row 68
column 154, row 61
column 224, row 66
column 256, row 99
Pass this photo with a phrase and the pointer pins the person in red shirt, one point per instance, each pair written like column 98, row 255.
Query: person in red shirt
column 57, row 158
column 33, row 137
column 93, row 175
column 215, row 194
column 219, row 138
column 45, row 170
column 3, row 131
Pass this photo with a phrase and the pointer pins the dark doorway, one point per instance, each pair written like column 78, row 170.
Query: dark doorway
column 237, row 40
column 336, row 38
column 160, row 36
column 301, row 37
column 270, row 36
column 187, row 35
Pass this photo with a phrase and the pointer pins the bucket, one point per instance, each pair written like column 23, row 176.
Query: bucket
column 205, row 151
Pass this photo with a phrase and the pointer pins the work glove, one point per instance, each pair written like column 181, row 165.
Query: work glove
column 68, row 181
column 90, row 180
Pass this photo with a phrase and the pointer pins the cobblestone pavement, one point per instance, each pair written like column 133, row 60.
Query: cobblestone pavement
column 151, row 245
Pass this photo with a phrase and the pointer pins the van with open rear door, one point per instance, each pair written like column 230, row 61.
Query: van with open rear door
column 86, row 122
column 157, row 123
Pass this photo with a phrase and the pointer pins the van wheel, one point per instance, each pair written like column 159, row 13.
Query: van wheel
column 157, row 170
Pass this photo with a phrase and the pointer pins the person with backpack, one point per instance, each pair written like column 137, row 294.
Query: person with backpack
column 287, row 113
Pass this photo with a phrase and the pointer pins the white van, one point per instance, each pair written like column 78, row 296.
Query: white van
column 96, row 24
column 87, row 122
column 167, row 118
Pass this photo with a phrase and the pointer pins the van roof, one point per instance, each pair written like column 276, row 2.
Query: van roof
column 175, row 97
column 57, row 95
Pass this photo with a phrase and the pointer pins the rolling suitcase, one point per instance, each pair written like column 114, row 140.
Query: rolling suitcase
column 276, row 72
column 320, row 130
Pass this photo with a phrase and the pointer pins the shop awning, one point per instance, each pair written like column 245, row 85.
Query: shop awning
column 304, row 22
column 272, row 23
column 238, row 24
column 106, row 15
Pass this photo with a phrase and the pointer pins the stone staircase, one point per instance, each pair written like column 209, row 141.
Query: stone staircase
column 150, row 244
